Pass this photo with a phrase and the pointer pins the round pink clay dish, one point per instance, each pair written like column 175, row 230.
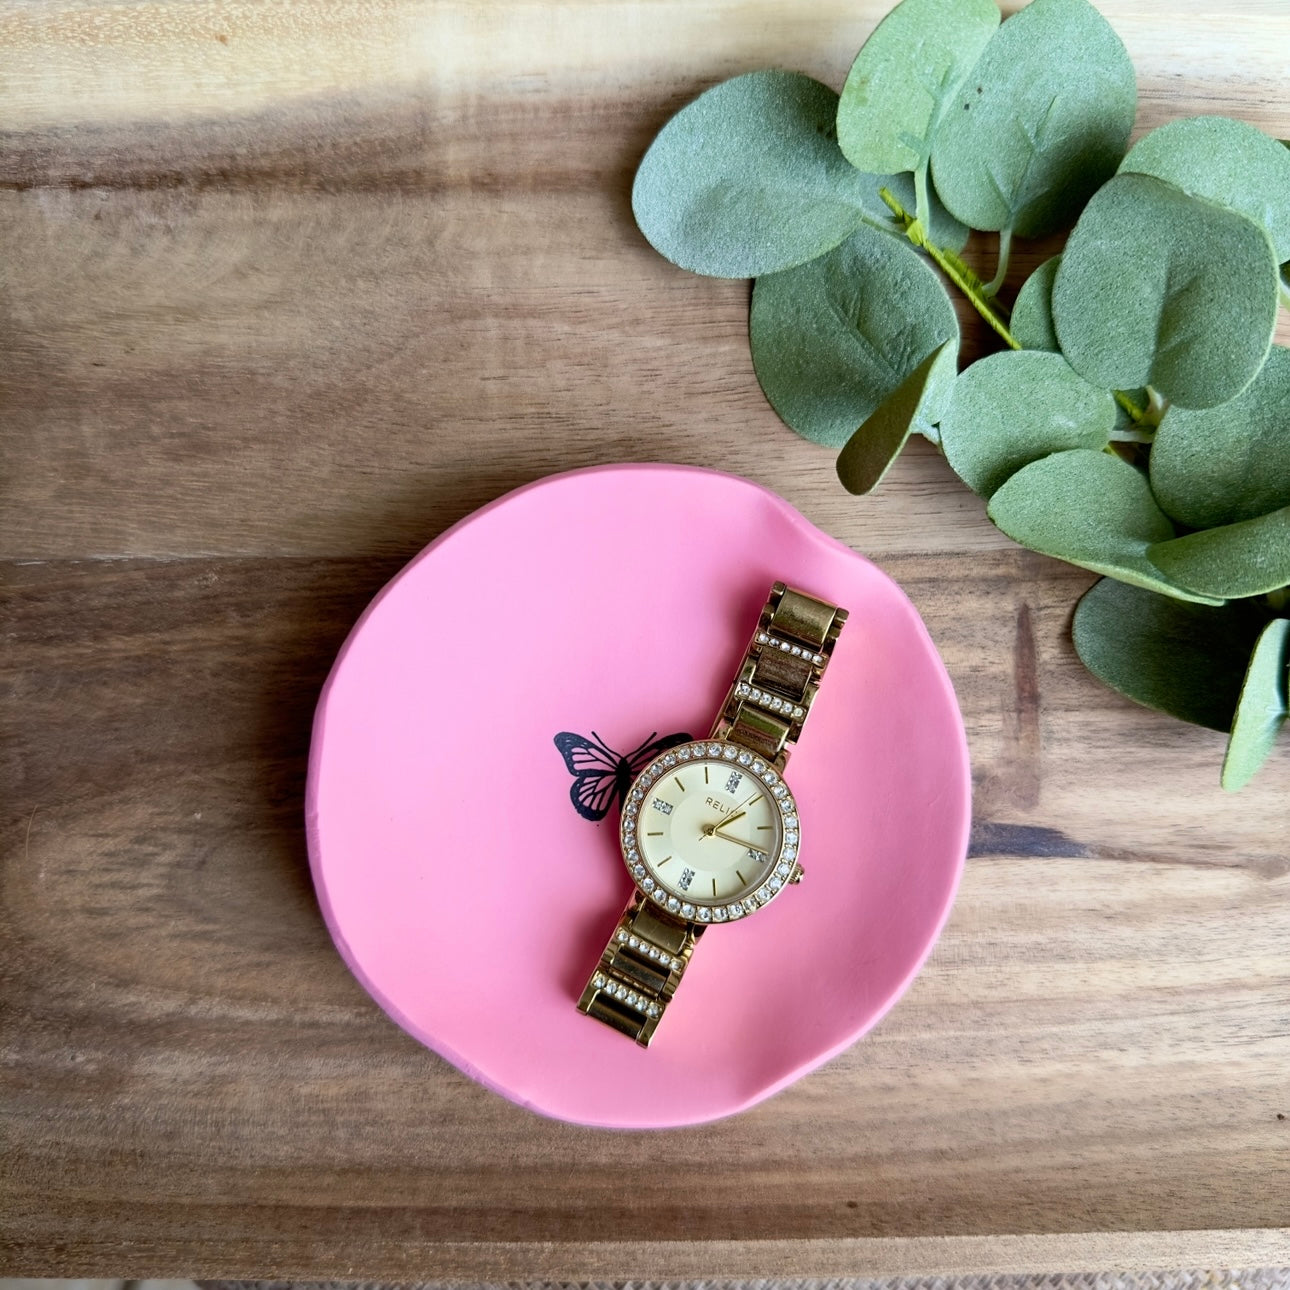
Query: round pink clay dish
column 472, row 901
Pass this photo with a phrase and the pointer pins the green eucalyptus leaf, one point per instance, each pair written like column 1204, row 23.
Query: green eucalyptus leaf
column 1016, row 406
column 833, row 338
column 944, row 229
column 908, row 70
column 1088, row 508
column 1261, row 710
column 1184, row 659
column 1250, row 558
column 1224, row 161
column 920, row 397
column 1032, row 314
column 1212, row 466
column 1041, row 122
column 1159, row 288
column 935, row 402
column 1032, row 326
column 748, row 179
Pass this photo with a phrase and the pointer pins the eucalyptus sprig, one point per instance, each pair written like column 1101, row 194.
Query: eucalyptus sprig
column 1137, row 422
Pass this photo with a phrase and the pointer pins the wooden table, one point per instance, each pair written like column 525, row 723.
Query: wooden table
column 289, row 289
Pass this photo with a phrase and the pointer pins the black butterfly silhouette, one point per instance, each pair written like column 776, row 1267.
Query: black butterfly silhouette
column 600, row 774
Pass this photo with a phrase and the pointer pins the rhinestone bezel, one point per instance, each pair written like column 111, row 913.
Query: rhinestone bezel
column 778, row 795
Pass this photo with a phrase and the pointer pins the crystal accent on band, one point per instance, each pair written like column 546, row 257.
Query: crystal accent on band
column 625, row 994
column 771, row 702
column 787, row 647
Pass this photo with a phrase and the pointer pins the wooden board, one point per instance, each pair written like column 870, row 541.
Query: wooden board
column 288, row 290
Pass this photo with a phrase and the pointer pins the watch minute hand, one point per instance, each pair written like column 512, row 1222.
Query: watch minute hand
column 718, row 831
column 750, row 846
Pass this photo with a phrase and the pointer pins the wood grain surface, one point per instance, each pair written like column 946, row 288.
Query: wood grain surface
column 287, row 290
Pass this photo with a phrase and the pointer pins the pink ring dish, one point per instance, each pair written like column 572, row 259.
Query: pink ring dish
column 470, row 897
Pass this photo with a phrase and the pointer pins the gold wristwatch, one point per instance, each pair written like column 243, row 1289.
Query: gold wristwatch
column 710, row 829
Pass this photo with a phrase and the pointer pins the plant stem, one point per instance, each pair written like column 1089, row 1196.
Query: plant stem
column 978, row 292
column 922, row 205
column 953, row 268
column 1001, row 271
column 1138, row 414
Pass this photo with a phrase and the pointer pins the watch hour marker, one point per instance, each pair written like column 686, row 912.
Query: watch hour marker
column 663, row 861
column 765, row 826
column 741, row 878
column 678, row 783
column 705, row 774
column 655, row 833
column 660, row 805
column 714, row 886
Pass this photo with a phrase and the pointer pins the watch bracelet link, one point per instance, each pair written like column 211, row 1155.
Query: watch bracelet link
column 764, row 711
column 779, row 676
column 639, row 970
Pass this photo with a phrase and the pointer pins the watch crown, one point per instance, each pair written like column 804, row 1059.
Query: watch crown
column 796, row 876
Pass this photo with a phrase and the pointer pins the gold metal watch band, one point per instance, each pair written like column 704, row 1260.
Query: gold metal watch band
column 779, row 676
column 639, row 970
column 768, row 703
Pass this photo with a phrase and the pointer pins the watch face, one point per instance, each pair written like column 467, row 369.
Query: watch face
column 710, row 832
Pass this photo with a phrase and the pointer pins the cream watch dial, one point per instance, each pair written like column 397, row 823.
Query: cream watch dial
column 710, row 832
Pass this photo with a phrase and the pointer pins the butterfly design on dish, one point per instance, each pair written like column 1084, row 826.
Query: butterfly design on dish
column 600, row 774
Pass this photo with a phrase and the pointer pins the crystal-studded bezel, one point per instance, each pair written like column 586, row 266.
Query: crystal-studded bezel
column 778, row 794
